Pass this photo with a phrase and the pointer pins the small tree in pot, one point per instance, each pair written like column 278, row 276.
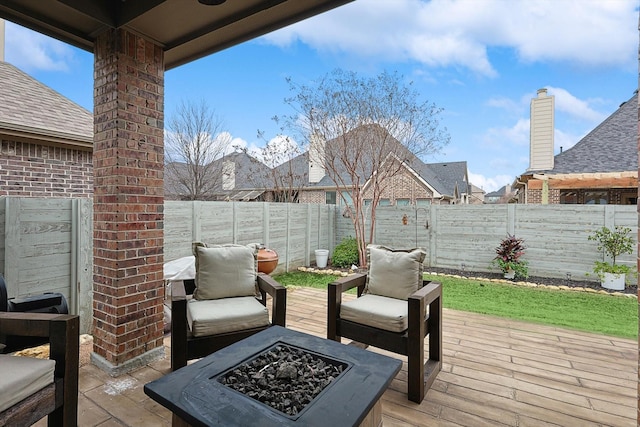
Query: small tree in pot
column 508, row 255
column 612, row 243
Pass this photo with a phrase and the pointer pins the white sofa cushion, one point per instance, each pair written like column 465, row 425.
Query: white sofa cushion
column 20, row 377
column 394, row 273
column 210, row 317
column 225, row 271
column 380, row 312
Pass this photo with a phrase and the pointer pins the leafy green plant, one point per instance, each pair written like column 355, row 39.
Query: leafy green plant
column 612, row 243
column 346, row 253
column 508, row 254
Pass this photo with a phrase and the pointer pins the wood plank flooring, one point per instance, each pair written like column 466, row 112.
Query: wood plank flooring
column 503, row 372
column 496, row 372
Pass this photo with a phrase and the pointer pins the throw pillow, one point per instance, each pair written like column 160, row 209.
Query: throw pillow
column 394, row 273
column 224, row 271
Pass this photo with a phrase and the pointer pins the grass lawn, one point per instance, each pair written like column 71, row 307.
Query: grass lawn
column 603, row 314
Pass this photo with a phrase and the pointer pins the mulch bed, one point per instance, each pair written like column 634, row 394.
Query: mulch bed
column 549, row 281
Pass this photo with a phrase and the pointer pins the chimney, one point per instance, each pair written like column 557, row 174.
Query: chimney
column 316, row 159
column 1, row 40
column 228, row 175
column 541, row 131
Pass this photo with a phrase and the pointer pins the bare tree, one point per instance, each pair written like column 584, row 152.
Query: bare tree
column 194, row 140
column 281, row 177
column 362, row 131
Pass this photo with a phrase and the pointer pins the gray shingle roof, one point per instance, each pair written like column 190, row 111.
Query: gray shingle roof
column 444, row 177
column 611, row 147
column 30, row 106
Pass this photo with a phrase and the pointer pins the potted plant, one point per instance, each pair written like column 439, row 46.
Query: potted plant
column 612, row 243
column 508, row 255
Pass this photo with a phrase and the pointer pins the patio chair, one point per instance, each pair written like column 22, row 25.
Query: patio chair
column 31, row 388
column 395, row 310
column 228, row 302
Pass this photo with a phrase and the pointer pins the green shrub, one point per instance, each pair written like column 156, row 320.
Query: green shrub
column 346, row 253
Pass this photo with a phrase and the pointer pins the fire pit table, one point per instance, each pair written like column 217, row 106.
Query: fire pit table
column 200, row 395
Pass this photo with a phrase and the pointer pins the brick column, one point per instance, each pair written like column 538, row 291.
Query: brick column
column 128, row 202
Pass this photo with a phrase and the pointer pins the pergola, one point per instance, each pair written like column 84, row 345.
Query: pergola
column 134, row 42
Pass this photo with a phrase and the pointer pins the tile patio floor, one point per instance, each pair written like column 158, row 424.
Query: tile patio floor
column 496, row 372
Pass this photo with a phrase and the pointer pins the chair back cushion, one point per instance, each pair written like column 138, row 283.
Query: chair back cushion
column 22, row 377
column 225, row 271
column 394, row 273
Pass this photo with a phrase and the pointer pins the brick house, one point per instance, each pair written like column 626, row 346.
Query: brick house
column 417, row 183
column 602, row 168
column 46, row 140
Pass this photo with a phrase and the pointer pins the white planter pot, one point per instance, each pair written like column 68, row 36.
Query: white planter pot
column 322, row 255
column 613, row 281
column 511, row 274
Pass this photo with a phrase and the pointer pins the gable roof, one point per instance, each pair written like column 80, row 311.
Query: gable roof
column 445, row 178
column 611, row 147
column 249, row 174
column 33, row 111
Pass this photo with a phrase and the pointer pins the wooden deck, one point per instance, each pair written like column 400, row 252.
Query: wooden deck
column 496, row 372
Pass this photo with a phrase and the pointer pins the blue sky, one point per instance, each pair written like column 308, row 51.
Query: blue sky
column 480, row 60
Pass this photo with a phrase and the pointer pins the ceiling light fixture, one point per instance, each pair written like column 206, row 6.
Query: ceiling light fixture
column 211, row 2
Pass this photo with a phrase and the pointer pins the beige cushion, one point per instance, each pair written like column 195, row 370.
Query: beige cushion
column 212, row 317
column 390, row 314
column 20, row 377
column 225, row 271
column 394, row 273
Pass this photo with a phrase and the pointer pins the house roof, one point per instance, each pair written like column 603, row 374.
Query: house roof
column 31, row 110
column 445, row 178
column 186, row 29
column 500, row 192
column 611, row 147
column 249, row 174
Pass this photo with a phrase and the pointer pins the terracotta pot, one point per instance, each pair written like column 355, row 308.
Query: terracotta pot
column 267, row 260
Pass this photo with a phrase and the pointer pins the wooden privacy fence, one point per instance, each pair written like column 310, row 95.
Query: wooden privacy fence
column 293, row 230
column 46, row 244
column 464, row 237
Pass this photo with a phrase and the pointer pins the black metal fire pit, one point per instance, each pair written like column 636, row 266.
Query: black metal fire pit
column 197, row 393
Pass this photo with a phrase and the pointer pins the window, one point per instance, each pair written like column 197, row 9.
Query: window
column 595, row 198
column 384, row 202
column 346, row 197
column 330, row 197
column 367, row 202
column 629, row 198
column 403, row 202
column 423, row 202
column 568, row 197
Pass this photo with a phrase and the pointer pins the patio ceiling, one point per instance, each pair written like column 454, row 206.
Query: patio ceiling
column 187, row 29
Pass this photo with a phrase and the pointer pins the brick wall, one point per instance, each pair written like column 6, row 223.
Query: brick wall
column 313, row 196
column 34, row 170
column 128, row 201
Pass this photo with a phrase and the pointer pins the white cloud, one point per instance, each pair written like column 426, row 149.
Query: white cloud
column 459, row 33
column 31, row 51
column 518, row 135
column 578, row 108
column 489, row 184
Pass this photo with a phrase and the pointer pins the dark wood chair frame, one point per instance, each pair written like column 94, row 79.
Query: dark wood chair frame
column 58, row 400
column 185, row 347
column 409, row 343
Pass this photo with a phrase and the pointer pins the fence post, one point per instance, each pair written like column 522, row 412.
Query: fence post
column 12, row 240
column 511, row 219
column 307, row 255
column 196, row 231
column 265, row 224
column 432, row 234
